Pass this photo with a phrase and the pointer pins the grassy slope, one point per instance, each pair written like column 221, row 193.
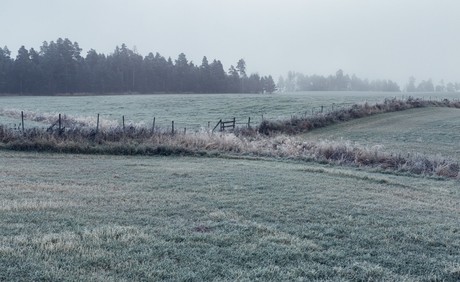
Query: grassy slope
column 424, row 130
column 83, row 217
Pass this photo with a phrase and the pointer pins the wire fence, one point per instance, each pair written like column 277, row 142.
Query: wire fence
column 23, row 120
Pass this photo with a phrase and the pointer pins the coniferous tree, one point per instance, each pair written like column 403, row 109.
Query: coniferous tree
column 205, row 76
column 338, row 82
column 21, row 70
column 6, row 64
column 218, row 77
column 59, row 68
column 234, row 83
column 269, row 85
column 411, row 85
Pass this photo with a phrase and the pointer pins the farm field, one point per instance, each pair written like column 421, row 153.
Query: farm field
column 193, row 111
column 240, row 217
column 429, row 131
column 83, row 217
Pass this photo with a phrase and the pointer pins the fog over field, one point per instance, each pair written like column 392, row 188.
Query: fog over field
column 374, row 39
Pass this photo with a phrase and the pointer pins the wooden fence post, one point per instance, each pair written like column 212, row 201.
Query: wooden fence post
column 185, row 130
column 97, row 124
column 153, row 125
column 234, row 123
column 249, row 122
column 22, row 120
column 123, row 118
column 59, row 124
column 172, row 130
column 219, row 123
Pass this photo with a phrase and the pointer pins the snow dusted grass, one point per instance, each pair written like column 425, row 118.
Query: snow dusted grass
column 124, row 218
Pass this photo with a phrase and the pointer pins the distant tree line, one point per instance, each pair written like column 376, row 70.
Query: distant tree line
column 59, row 67
column 338, row 82
column 428, row 86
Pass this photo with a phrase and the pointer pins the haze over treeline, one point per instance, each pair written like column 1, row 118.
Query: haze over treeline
column 59, row 67
column 389, row 39
column 295, row 81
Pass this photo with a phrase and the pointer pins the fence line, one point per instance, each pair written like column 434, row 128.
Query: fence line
column 222, row 124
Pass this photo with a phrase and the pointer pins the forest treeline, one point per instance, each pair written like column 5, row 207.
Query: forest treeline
column 59, row 67
column 295, row 81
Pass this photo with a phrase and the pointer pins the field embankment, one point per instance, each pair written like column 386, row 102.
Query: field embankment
column 427, row 131
column 87, row 217
column 206, row 144
column 297, row 125
column 71, row 137
column 246, row 142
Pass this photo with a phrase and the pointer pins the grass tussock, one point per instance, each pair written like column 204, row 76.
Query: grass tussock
column 304, row 124
column 135, row 141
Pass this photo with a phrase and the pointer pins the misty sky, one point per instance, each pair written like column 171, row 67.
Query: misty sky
column 387, row 39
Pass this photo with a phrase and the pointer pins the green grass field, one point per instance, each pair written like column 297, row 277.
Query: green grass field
column 113, row 218
column 429, row 131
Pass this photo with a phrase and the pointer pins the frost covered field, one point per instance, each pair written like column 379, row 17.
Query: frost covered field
column 428, row 131
column 193, row 111
column 80, row 217
column 233, row 216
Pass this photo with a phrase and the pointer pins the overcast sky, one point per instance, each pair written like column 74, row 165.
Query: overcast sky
column 387, row 39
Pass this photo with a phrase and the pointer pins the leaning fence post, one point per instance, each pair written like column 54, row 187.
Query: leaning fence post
column 153, row 125
column 97, row 124
column 172, row 126
column 249, row 122
column 22, row 120
column 220, row 121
